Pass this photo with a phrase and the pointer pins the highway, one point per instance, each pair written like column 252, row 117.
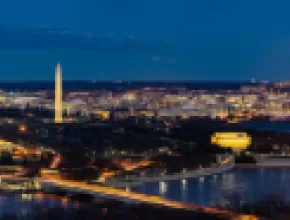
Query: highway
column 154, row 200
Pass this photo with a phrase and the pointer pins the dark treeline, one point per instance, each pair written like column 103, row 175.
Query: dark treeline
column 127, row 134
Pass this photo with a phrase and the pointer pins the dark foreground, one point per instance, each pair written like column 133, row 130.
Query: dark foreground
column 87, row 209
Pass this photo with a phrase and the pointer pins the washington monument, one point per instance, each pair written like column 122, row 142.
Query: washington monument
column 58, row 95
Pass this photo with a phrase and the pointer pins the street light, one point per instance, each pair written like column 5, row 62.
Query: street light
column 22, row 128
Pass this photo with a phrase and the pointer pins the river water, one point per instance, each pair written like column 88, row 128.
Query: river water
column 279, row 126
column 252, row 184
column 24, row 203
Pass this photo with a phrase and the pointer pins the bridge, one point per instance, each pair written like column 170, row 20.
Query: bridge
column 223, row 166
column 94, row 189
column 139, row 197
column 122, row 194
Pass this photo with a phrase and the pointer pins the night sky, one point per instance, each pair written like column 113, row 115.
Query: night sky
column 145, row 39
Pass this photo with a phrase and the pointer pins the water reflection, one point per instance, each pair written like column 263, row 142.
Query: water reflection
column 184, row 190
column 206, row 190
column 128, row 189
column 261, row 172
column 162, row 187
column 228, row 181
column 201, row 184
column 64, row 201
column 184, row 184
column 284, row 176
column 201, row 179
column 26, row 206
column 214, row 178
column 22, row 203
column 27, row 197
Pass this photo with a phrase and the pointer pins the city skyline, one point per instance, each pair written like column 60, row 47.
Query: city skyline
column 131, row 109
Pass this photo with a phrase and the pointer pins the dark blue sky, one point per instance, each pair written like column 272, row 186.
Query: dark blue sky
column 169, row 39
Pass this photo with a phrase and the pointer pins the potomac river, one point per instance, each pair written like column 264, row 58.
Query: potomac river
column 251, row 183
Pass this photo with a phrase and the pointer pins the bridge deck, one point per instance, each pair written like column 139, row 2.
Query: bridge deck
column 155, row 200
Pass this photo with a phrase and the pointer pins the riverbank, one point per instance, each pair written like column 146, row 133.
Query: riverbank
column 225, row 166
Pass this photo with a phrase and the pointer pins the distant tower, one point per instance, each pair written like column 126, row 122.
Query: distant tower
column 58, row 95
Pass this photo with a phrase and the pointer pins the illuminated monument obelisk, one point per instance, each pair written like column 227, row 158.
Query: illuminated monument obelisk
column 58, row 95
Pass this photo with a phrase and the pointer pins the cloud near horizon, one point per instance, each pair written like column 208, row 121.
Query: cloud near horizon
column 44, row 38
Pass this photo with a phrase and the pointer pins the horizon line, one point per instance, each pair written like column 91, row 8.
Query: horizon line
column 142, row 81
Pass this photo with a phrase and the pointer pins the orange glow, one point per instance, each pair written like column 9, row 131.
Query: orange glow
column 56, row 161
column 248, row 217
column 130, row 165
column 222, row 116
column 64, row 201
column 39, row 196
column 22, row 128
column 103, row 114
